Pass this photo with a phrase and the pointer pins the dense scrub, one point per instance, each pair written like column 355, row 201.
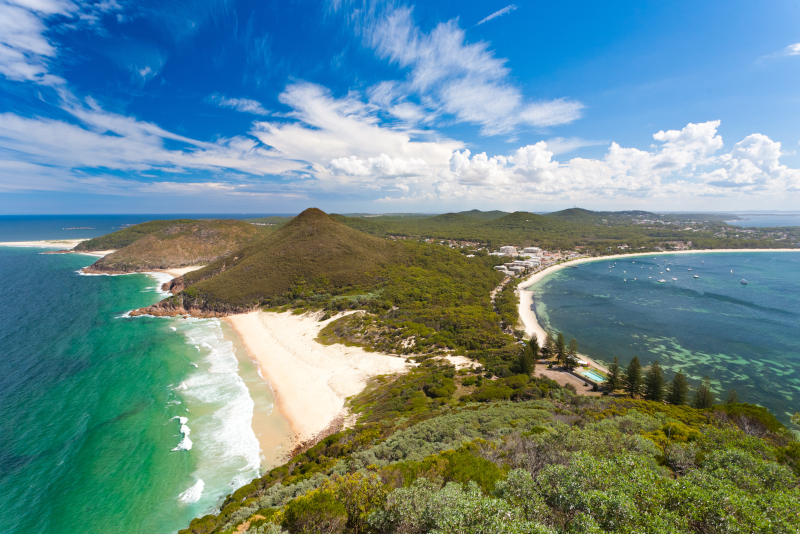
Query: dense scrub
column 596, row 232
column 423, row 461
column 126, row 236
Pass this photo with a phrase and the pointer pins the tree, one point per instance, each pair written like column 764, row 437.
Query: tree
column 633, row 378
column 733, row 397
column 614, row 381
column 678, row 393
column 561, row 348
column 703, row 397
column 534, row 345
column 549, row 348
column 571, row 359
column 526, row 364
column 654, row 383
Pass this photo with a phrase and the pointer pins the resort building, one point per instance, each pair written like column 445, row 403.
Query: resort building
column 509, row 250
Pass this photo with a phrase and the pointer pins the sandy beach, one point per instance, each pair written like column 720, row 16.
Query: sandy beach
column 179, row 271
column 311, row 381
column 527, row 313
column 65, row 244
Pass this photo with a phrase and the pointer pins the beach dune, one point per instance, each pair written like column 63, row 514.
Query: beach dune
column 311, row 381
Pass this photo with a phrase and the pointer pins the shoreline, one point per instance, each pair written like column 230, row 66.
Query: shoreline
column 527, row 313
column 311, row 381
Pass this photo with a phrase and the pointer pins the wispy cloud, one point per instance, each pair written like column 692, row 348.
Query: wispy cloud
column 244, row 105
column 26, row 53
column 791, row 50
column 459, row 79
column 500, row 13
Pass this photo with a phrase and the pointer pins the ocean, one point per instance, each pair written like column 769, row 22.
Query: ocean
column 117, row 424
column 767, row 221
column 741, row 336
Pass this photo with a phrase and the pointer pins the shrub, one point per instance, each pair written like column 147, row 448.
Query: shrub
column 318, row 511
column 491, row 393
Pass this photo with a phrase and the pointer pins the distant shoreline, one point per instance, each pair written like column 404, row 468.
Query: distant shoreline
column 528, row 315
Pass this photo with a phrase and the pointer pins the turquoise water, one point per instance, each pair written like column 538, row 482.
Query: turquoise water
column 91, row 404
column 742, row 336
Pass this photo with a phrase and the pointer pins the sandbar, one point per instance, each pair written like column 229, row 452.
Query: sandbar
column 65, row 244
column 311, row 381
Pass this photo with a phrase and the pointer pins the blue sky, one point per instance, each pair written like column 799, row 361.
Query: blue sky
column 227, row 106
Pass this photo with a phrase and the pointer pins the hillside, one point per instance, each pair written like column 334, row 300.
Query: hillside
column 312, row 248
column 179, row 244
column 126, row 236
column 596, row 232
column 441, row 451
column 478, row 214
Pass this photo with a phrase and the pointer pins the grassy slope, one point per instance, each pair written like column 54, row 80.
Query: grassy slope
column 126, row 236
column 181, row 244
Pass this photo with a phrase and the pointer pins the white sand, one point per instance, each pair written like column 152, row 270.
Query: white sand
column 526, row 305
column 179, row 271
column 311, row 381
column 64, row 244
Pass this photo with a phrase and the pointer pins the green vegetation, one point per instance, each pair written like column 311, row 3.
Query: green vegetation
column 595, row 232
column 654, row 383
column 126, row 236
column 633, row 378
column 703, row 397
column 178, row 244
column 420, row 460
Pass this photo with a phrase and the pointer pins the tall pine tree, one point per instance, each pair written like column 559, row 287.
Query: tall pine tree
column 678, row 393
column 534, row 345
column 633, row 378
column 654, row 383
column 561, row 348
column 703, row 397
column 614, row 381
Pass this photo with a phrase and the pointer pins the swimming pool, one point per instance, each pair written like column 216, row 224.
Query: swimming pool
column 593, row 376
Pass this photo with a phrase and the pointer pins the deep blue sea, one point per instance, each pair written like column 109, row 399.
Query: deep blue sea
column 766, row 221
column 742, row 336
column 110, row 423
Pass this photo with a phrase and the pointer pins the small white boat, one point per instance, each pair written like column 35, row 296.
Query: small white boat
column 688, row 269
column 668, row 268
column 662, row 281
column 696, row 276
column 625, row 280
column 674, row 278
column 649, row 277
column 744, row 282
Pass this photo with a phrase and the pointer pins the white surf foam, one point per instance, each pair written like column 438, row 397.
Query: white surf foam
column 226, row 448
column 192, row 494
column 186, row 443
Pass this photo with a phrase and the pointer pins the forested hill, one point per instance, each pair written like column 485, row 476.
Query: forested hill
column 312, row 248
column 446, row 451
column 171, row 244
column 126, row 236
column 597, row 232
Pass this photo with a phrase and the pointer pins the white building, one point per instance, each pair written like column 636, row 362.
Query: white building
column 509, row 250
column 533, row 250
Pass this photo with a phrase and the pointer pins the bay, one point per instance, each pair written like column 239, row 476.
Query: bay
column 741, row 336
